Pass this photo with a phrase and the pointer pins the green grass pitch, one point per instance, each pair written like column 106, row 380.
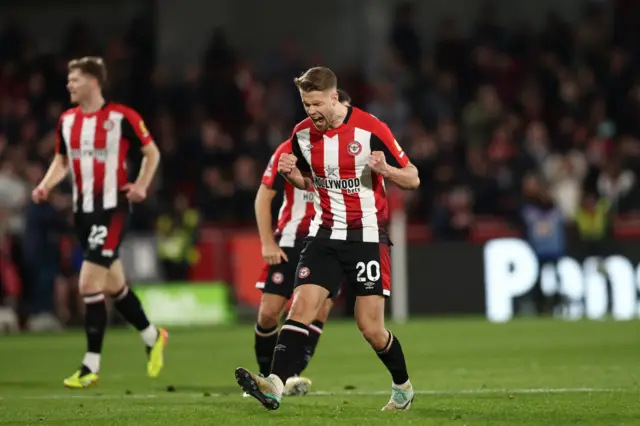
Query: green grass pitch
column 466, row 372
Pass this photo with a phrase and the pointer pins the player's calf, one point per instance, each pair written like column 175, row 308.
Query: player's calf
column 315, row 331
column 266, row 330
column 294, row 334
column 154, row 338
column 370, row 318
column 129, row 306
column 91, row 285
column 392, row 356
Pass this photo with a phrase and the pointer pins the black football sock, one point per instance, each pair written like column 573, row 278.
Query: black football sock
column 265, row 342
column 129, row 306
column 95, row 325
column 315, row 331
column 289, row 349
column 393, row 359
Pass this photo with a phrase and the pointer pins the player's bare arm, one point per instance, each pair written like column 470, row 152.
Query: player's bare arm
column 287, row 167
column 405, row 177
column 271, row 251
column 137, row 191
column 57, row 171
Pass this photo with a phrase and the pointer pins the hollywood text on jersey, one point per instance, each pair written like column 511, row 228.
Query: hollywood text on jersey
column 351, row 186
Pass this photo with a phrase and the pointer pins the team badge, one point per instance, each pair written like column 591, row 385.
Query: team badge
column 304, row 272
column 354, row 148
column 277, row 278
column 108, row 125
column 143, row 129
column 269, row 171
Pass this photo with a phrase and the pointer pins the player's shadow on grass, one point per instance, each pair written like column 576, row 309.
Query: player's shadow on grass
column 203, row 389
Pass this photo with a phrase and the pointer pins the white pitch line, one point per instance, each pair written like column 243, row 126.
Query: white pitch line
column 476, row 391
column 337, row 393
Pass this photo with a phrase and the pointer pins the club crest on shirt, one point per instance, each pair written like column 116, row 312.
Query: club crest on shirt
column 108, row 125
column 354, row 148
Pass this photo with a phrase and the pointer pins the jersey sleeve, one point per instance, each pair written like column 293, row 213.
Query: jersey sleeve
column 271, row 178
column 134, row 129
column 302, row 164
column 61, row 145
column 383, row 140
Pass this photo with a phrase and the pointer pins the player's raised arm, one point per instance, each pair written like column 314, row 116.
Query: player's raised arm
column 272, row 181
column 57, row 170
column 137, row 133
column 294, row 167
column 390, row 161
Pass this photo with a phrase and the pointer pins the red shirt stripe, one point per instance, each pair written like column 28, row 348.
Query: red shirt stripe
column 297, row 208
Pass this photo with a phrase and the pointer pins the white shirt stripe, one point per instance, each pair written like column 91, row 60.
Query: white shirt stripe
column 331, row 147
column 370, row 232
column 304, row 141
column 87, row 140
column 298, row 210
column 67, row 125
column 110, row 191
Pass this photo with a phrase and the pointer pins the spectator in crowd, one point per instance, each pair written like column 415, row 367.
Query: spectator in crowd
column 592, row 223
column 177, row 237
column 454, row 219
column 544, row 226
column 41, row 247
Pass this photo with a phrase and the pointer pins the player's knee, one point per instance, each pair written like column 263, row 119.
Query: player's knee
column 374, row 333
column 271, row 308
column 323, row 315
column 307, row 301
column 88, row 287
column 115, row 281
column 93, row 279
column 301, row 312
column 376, row 336
column 268, row 316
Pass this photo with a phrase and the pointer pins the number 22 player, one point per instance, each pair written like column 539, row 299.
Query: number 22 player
column 346, row 154
column 94, row 140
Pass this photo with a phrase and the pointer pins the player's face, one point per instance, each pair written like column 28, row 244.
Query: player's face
column 319, row 107
column 79, row 85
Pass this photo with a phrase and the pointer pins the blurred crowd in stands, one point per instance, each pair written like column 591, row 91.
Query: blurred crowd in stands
column 497, row 121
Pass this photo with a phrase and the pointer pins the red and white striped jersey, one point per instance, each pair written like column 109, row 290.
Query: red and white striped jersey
column 97, row 145
column 297, row 208
column 352, row 200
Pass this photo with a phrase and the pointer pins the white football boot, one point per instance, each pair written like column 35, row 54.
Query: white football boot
column 401, row 397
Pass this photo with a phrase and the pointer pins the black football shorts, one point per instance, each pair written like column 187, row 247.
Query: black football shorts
column 101, row 233
column 279, row 279
column 364, row 266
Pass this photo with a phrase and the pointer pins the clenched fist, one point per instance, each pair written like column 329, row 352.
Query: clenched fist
column 40, row 194
column 135, row 192
column 378, row 163
column 287, row 163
